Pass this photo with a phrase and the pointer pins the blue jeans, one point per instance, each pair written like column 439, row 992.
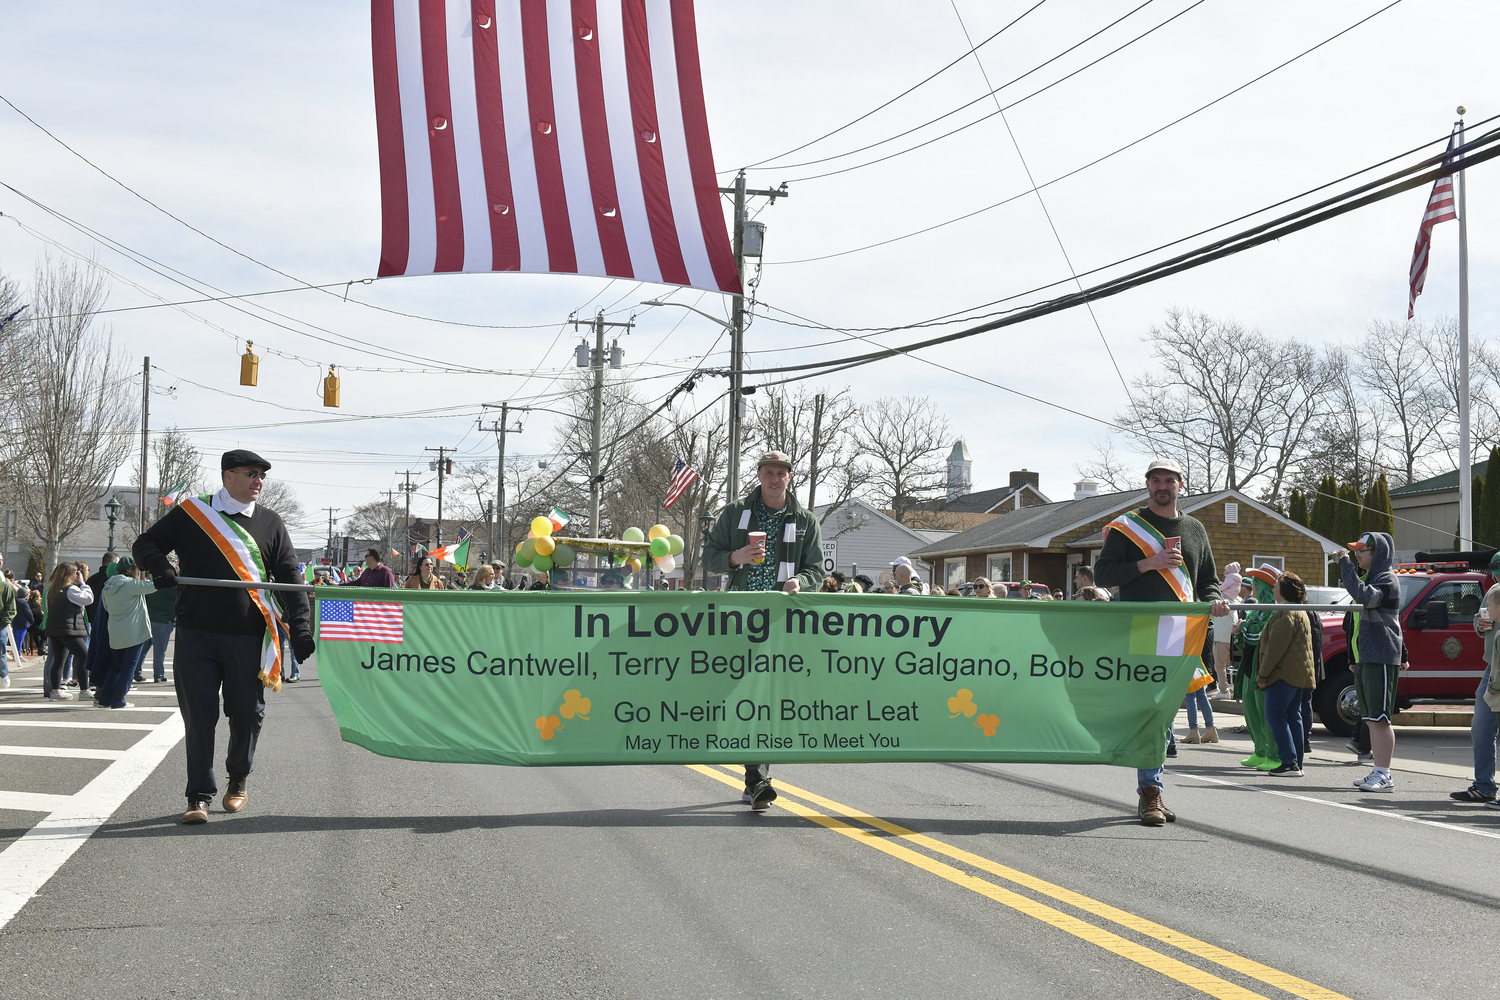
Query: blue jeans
column 1483, row 732
column 1152, row 775
column 1284, row 715
column 1196, row 699
column 115, row 684
column 161, row 633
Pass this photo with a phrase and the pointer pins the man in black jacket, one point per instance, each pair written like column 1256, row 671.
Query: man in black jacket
column 225, row 637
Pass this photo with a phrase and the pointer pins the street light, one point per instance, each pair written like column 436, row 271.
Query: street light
column 113, row 506
column 706, row 523
column 683, row 305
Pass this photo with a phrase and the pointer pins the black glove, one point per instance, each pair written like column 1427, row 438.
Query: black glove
column 164, row 581
column 303, row 646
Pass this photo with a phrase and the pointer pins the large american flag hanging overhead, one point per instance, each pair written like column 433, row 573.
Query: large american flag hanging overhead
column 1440, row 208
column 557, row 136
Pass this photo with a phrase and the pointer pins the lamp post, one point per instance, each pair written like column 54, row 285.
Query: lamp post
column 113, row 506
column 706, row 523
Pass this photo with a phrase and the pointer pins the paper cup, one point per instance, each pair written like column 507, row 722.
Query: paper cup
column 758, row 538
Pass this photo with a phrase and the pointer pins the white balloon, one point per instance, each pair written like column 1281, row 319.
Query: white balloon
column 666, row 564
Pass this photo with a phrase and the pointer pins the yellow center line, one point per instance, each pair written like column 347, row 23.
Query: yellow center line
column 1154, row 960
column 1177, row 939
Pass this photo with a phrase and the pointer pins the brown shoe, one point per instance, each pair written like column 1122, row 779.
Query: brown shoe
column 1210, row 735
column 1150, row 808
column 235, row 795
column 197, row 812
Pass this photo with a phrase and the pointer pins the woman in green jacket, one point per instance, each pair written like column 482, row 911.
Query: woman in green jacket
column 124, row 597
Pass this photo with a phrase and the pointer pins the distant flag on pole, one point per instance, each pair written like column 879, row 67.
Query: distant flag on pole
column 457, row 554
column 682, row 477
column 464, row 534
column 558, row 517
column 1440, row 208
column 542, row 137
column 175, row 494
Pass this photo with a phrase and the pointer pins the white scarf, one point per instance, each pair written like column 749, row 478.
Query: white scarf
column 229, row 505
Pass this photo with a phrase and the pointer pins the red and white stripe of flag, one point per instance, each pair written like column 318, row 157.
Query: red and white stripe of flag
column 557, row 136
column 682, row 478
column 1440, row 208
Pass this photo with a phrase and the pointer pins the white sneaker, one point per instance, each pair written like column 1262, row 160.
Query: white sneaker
column 5, row 681
column 60, row 695
column 1377, row 782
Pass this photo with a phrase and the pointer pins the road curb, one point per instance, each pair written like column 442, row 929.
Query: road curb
column 1455, row 717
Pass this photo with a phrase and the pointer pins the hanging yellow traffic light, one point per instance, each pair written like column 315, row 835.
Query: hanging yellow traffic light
column 331, row 388
column 249, row 365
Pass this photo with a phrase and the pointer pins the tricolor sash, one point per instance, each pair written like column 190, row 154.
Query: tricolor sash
column 240, row 548
column 1150, row 541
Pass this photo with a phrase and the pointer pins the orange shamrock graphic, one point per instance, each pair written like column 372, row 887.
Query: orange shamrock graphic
column 574, row 703
column 988, row 723
column 548, row 724
column 962, row 704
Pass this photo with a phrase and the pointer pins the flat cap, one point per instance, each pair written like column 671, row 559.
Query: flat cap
column 240, row 456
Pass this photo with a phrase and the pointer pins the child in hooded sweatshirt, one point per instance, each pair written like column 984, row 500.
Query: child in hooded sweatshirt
column 1265, row 756
column 1375, row 644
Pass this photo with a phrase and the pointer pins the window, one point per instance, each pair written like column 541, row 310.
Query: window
column 1278, row 561
column 1231, row 513
column 953, row 572
column 997, row 568
column 1463, row 598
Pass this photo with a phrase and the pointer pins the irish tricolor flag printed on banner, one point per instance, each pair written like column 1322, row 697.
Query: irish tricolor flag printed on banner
column 1172, row 635
column 175, row 494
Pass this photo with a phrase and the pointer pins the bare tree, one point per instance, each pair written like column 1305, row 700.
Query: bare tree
column 905, row 441
column 279, row 496
column 1109, row 469
column 67, row 454
column 374, row 519
column 814, row 429
column 1398, row 365
column 174, row 460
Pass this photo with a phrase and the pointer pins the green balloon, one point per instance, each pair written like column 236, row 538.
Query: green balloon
column 528, row 549
column 634, row 535
column 660, row 547
column 618, row 557
column 563, row 555
column 542, row 563
column 677, row 544
column 523, row 560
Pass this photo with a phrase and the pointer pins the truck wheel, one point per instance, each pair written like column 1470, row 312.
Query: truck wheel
column 1336, row 704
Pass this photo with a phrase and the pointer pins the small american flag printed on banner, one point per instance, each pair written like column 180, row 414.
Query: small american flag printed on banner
column 682, row 477
column 359, row 621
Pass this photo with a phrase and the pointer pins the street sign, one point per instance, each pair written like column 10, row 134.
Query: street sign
column 830, row 556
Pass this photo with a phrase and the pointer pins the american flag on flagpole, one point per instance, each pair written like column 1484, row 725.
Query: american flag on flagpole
column 464, row 534
column 563, row 136
column 1440, row 208
column 682, row 477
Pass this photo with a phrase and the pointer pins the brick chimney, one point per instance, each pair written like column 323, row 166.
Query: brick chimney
column 1019, row 479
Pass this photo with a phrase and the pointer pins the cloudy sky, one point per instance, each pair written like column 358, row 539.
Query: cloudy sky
column 255, row 123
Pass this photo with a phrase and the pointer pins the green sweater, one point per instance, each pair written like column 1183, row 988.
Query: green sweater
column 7, row 602
column 732, row 531
column 1116, row 565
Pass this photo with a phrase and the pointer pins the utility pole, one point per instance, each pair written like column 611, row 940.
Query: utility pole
column 597, row 361
column 145, row 437
column 442, row 467
column 812, row 471
column 328, row 549
column 390, row 521
column 406, row 488
column 501, row 428
column 737, row 332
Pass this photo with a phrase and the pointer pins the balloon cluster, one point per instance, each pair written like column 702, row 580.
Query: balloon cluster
column 665, row 547
column 540, row 551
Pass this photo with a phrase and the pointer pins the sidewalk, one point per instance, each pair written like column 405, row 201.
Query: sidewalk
column 1441, row 716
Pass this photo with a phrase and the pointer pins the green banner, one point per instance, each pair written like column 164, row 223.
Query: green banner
column 641, row 678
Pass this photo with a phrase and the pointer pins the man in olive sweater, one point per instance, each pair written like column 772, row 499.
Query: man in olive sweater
column 788, row 558
column 222, row 634
column 1157, row 554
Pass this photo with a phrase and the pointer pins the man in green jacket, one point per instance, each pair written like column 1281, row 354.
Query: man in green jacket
column 789, row 557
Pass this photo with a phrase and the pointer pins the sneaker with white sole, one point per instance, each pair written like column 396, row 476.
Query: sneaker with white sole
column 60, row 695
column 1377, row 782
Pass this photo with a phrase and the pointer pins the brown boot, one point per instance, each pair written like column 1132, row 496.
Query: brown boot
column 1150, row 808
column 1210, row 735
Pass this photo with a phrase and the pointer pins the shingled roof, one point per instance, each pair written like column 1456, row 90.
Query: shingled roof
column 1031, row 527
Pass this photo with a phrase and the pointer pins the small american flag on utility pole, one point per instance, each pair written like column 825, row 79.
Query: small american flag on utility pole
column 682, row 477
column 1440, row 208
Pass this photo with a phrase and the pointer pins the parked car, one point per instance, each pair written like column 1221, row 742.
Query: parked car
column 1440, row 597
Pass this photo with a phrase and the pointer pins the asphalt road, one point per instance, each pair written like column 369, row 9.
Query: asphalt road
column 352, row 875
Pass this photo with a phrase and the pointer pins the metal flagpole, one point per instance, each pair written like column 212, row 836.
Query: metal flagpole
column 1465, row 473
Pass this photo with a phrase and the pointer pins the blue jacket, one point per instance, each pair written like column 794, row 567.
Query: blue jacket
column 1377, row 632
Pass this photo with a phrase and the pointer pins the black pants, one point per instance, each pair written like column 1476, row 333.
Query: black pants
column 756, row 773
column 62, row 646
column 204, row 663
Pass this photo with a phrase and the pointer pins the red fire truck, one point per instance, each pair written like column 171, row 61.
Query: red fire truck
column 1441, row 595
